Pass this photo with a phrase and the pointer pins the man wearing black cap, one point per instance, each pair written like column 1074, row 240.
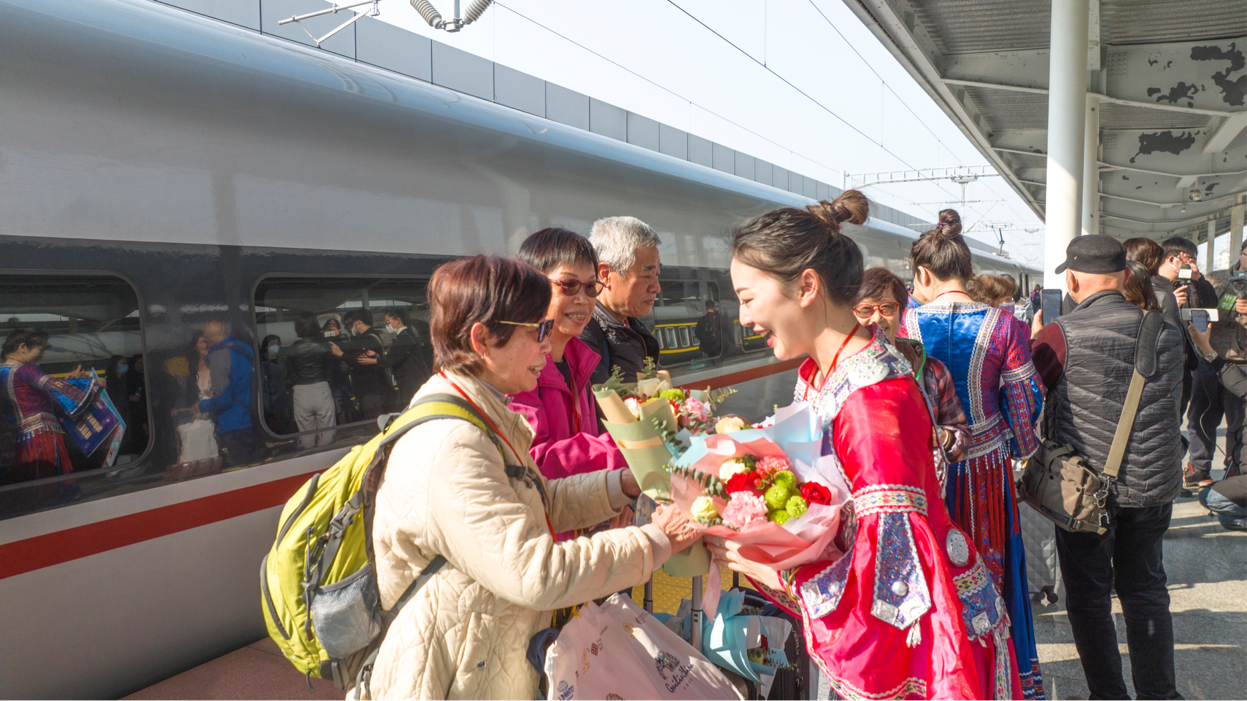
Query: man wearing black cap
column 1086, row 359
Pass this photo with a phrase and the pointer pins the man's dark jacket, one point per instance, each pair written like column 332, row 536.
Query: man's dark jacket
column 1090, row 352
column 622, row 345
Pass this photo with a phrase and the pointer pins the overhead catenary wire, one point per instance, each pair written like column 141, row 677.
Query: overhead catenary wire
column 725, row 119
column 660, row 86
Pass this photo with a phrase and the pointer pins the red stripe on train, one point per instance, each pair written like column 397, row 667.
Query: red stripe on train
column 51, row 549
column 56, row 548
column 736, row 378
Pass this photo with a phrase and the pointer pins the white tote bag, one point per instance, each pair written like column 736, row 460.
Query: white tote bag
column 618, row 651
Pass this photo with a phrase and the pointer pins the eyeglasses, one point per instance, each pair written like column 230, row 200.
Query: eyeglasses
column 571, row 287
column 863, row 311
column 543, row 328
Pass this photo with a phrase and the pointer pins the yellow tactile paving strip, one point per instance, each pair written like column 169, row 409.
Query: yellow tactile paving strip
column 669, row 590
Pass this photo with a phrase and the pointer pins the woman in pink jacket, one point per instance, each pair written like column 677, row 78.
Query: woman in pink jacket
column 561, row 409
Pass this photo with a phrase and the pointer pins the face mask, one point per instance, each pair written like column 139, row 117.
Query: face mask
column 123, row 369
column 390, row 330
column 272, row 350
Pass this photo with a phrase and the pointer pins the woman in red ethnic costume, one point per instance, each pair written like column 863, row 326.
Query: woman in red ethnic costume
column 909, row 611
column 30, row 408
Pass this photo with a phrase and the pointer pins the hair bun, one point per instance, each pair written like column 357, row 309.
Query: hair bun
column 949, row 225
column 825, row 213
column 851, row 206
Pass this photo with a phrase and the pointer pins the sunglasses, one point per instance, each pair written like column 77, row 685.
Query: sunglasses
column 543, row 328
column 571, row 287
column 863, row 311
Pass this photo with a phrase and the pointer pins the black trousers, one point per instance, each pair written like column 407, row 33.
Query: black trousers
column 1130, row 557
column 237, row 447
column 1210, row 402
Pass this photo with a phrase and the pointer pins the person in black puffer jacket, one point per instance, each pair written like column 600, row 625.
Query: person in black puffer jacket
column 628, row 268
column 1086, row 359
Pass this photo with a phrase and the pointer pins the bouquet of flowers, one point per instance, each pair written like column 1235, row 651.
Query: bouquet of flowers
column 767, row 488
column 738, row 637
column 651, row 421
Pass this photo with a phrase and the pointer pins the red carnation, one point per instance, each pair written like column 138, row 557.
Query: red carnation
column 741, row 482
column 815, row 493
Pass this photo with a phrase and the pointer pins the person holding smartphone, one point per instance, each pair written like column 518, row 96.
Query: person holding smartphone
column 1201, row 391
column 1228, row 497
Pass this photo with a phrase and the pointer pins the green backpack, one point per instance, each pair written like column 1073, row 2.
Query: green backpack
column 319, row 581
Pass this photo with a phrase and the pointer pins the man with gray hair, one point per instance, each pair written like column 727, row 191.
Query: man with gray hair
column 628, row 267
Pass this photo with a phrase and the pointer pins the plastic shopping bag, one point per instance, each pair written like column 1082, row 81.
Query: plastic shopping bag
column 618, row 651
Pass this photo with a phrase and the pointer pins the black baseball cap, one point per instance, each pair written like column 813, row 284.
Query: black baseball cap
column 1094, row 253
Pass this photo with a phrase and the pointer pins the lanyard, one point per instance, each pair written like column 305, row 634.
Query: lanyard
column 485, row 416
column 834, row 360
column 950, row 292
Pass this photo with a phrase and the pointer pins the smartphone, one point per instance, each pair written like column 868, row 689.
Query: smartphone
column 1199, row 319
column 1050, row 303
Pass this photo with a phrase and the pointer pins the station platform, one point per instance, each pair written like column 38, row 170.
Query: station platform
column 1207, row 568
column 260, row 671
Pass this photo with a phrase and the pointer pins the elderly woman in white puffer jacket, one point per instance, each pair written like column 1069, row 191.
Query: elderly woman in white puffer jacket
column 446, row 492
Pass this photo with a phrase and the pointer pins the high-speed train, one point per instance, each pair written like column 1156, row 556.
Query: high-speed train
column 159, row 170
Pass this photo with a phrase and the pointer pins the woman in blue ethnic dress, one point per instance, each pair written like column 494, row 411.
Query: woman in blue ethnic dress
column 909, row 610
column 988, row 353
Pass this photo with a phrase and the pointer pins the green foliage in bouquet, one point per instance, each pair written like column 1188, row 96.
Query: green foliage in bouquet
column 710, row 484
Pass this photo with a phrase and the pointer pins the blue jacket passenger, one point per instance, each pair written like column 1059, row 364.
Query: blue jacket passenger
column 229, row 364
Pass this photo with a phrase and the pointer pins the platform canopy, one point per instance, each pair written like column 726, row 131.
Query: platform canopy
column 1166, row 79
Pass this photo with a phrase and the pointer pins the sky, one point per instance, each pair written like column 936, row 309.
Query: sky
column 800, row 83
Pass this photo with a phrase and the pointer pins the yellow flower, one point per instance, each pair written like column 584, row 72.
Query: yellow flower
column 704, row 509
column 728, row 424
column 178, row 367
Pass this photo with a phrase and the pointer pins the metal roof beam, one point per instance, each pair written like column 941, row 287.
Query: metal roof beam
column 1226, row 133
column 892, row 23
column 1099, row 96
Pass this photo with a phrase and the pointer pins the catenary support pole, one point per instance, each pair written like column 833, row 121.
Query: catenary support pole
column 1205, row 265
column 1091, row 168
column 1067, row 105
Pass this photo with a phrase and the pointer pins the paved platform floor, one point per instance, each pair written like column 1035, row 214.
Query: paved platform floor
column 1207, row 570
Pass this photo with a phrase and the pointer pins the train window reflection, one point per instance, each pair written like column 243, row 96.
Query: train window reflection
column 73, row 389
column 337, row 351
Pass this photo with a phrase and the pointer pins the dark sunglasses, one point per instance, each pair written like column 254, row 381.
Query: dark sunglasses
column 543, row 328
column 571, row 287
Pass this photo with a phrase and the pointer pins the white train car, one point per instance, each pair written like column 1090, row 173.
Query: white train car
column 159, row 169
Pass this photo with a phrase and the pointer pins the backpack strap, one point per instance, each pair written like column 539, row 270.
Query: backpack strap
column 431, row 408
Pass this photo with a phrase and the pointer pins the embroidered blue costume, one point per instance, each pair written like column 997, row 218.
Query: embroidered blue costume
column 988, row 353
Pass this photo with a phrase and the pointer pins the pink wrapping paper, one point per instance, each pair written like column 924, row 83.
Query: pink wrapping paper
column 800, row 542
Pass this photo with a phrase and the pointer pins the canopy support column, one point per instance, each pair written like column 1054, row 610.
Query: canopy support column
column 1067, row 107
column 1236, row 232
column 1091, row 168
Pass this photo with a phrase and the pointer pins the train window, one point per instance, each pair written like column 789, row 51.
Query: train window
column 73, row 394
column 679, row 292
column 338, row 351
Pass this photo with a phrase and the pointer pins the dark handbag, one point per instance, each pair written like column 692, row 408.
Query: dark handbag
column 1060, row 485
